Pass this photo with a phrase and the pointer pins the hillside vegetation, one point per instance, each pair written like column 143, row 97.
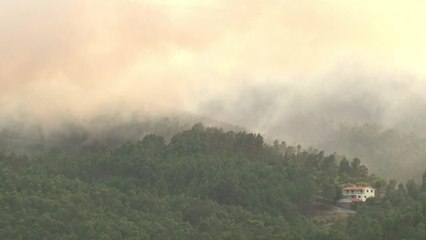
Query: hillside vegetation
column 205, row 183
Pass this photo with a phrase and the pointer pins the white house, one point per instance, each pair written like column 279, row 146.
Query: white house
column 358, row 194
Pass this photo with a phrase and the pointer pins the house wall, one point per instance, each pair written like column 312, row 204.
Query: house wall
column 361, row 195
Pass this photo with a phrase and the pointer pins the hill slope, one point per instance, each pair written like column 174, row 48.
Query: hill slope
column 204, row 184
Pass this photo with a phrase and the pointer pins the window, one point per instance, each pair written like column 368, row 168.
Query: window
column 366, row 190
column 359, row 196
column 365, row 196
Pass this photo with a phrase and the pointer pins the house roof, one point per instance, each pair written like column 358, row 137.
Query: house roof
column 357, row 188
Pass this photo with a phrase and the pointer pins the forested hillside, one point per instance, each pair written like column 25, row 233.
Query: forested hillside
column 205, row 183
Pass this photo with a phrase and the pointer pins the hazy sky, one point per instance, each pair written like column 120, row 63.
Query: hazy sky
column 77, row 56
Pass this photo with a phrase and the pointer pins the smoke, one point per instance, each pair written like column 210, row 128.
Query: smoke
column 77, row 59
column 79, row 56
column 310, row 111
column 291, row 69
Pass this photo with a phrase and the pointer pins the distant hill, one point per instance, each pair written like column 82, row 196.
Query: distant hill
column 387, row 152
column 106, row 131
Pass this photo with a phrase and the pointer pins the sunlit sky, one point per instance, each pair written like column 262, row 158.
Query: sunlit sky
column 173, row 54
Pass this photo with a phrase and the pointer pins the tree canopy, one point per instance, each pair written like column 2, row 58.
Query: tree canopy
column 205, row 183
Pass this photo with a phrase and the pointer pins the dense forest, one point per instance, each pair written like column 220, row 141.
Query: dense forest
column 200, row 183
